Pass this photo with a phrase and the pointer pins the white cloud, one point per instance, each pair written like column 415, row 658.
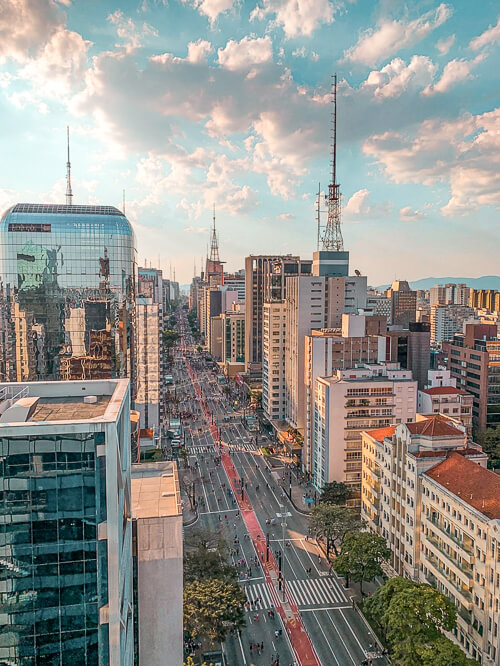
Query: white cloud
column 462, row 154
column 246, row 54
column 198, row 51
column 212, row 8
column 397, row 77
column 25, row 27
column 490, row 36
column 454, row 72
column 359, row 208
column 303, row 53
column 389, row 37
column 296, row 17
column 406, row 214
column 195, row 230
column 445, row 44
column 131, row 34
column 60, row 66
column 286, row 216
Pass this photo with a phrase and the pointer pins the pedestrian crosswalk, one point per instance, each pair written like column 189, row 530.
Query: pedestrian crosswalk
column 307, row 592
column 316, row 592
column 258, row 596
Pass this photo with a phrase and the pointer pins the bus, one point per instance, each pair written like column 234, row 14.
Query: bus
column 169, row 379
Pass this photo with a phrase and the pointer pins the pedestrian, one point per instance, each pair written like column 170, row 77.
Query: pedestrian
column 262, row 646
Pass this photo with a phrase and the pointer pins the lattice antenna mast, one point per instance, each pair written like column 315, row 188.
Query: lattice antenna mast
column 69, row 191
column 214, row 245
column 332, row 236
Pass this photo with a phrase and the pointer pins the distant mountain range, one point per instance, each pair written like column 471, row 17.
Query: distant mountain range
column 485, row 282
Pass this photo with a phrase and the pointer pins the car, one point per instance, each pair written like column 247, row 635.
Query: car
column 176, row 442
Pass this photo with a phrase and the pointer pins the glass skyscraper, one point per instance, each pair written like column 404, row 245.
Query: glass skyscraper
column 65, row 524
column 67, row 293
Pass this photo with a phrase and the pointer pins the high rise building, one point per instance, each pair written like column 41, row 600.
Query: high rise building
column 345, row 404
column 67, row 293
column 233, row 343
column 473, row 359
column 329, row 350
column 273, row 360
column 446, row 320
column 411, row 348
column 486, row 299
column 403, row 303
column 449, row 401
column 66, row 530
column 265, row 281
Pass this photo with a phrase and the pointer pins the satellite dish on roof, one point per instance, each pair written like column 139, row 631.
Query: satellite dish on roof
column 358, row 273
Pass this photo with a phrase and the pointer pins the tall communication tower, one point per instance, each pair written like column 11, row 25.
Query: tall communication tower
column 69, row 191
column 214, row 244
column 331, row 239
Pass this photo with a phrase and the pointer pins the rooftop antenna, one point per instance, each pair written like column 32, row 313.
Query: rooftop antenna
column 318, row 215
column 123, row 202
column 174, row 273
column 194, row 268
column 332, row 236
column 69, row 192
column 214, row 245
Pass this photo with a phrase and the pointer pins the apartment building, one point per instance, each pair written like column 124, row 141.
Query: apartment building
column 426, row 489
column 473, row 359
column 328, row 350
column 487, row 299
column 346, row 404
column 460, row 549
column 273, row 363
column 311, row 303
column 447, row 400
column 411, row 348
column 446, row 320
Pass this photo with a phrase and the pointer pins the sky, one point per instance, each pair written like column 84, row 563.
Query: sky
column 190, row 104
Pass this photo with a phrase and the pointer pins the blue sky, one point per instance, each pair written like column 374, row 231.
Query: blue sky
column 190, row 103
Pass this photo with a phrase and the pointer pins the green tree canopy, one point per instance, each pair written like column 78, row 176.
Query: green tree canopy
column 205, row 556
column 489, row 439
column 335, row 492
column 377, row 605
column 417, row 615
column 443, row 652
column 213, row 608
column 170, row 337
column 333, row 523
column 361, row 557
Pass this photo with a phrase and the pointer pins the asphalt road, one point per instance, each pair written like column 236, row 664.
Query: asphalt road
column 338, row 633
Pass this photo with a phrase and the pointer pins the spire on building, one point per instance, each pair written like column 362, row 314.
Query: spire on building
column 69, row 192
column 214, row 245
column 332, row 234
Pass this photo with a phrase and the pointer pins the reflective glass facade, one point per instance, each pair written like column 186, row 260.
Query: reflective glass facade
column 67, row 293
column 66, row 536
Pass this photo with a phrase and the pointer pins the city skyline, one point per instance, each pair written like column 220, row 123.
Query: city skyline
column 231, row 105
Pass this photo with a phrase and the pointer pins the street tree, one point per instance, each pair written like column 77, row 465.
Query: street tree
column 377, row 605
column 333, row 523
column 213, row 608
column 335, row 492
column 206, row 556
column 361, row 557
column 489, row 439
column 417, row 615
column 442, row 652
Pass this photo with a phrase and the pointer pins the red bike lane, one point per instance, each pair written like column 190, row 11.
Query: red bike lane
column 304, row 652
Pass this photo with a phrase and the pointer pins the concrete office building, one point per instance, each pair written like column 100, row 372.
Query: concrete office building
column 329, row 350
column 473, row 359
column 149, row 362
column 403, row 303
column 265, row 281
column 67, row 293
column 66, row 538
column 411, row 348
column 233, row 334
column 446, row 320
column 158, row 568
column 353, row 400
